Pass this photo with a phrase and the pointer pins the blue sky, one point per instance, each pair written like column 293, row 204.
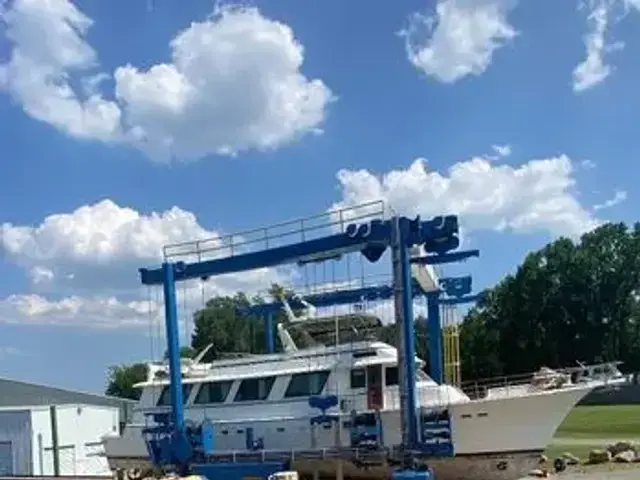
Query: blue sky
column 127, row 125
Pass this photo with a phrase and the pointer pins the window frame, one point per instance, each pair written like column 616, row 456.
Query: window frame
column 206, row 385
column 364, row 376
column 270, row 379
column 322, row 383
column 386, row 376
column 187, row 388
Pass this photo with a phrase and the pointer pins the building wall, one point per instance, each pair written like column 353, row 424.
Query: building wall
column 15, row 442
column 40, row 431
column 80, row 428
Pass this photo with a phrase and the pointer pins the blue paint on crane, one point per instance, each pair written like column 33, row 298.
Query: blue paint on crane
column 412, row 474
column 434, row 335
column 344, row 297
column 438, row 236
column 269, row 337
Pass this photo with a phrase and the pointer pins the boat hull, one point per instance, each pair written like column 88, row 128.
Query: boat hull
column 497, row 466
column 494, row 439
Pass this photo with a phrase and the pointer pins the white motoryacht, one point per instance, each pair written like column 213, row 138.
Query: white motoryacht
column 499, row 435
column 497, row 431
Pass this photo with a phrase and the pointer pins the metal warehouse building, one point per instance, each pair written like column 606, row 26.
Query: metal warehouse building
column 47, row 431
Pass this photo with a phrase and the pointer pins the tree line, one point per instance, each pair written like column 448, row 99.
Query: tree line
column 569, row 301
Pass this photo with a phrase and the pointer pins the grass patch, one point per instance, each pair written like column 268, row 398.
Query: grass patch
column 602, row 424
column 607, row 421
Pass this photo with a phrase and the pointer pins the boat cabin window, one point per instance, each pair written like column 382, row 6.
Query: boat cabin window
column 366, row 377
column 391, row 376
column 165, row 396
column 254, row 389
column 306, row 384
column 213, row 392
column 364, row 353
column 358, row 378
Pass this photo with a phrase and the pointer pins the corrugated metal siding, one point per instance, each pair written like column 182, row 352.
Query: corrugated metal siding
column 15, row 429
column 19, row 394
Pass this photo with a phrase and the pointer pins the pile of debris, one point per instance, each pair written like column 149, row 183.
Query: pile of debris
column 619, row 452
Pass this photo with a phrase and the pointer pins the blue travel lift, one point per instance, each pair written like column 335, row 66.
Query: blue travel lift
column 186, row 448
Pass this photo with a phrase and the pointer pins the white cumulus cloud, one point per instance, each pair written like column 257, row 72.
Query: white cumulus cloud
column 602, row 15
column 459, row 39
column 83, row 265
column 618, row 197
column 535, row 196
column 94, row 312
column 48, row 47
column 233, row 83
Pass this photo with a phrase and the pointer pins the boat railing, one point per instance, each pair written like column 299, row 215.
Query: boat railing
column 519, row 384
column 508, row 385
column 279, row 235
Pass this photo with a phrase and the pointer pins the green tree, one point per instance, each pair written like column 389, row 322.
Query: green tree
column 569, row 301
column 121, row 379
column 220, row 323
column 185, row 352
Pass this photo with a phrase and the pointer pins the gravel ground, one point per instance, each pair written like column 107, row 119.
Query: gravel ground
column 599, row 473
column 605, row 474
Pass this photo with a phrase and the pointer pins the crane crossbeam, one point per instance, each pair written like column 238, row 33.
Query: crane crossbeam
column 358, row 295
column 438, row 235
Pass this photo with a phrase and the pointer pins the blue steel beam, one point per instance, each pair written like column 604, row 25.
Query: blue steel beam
column 173, row 344
column 328, row 299
column 403, row 299
column 269, row 338
column 434, row 338
column 450, row 257
column 438, row 235
column 343, row 297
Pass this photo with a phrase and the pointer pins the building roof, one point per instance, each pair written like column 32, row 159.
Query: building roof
column 16, row 393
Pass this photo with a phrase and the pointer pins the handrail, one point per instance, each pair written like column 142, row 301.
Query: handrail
column 302, row 227
column 479, row 388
